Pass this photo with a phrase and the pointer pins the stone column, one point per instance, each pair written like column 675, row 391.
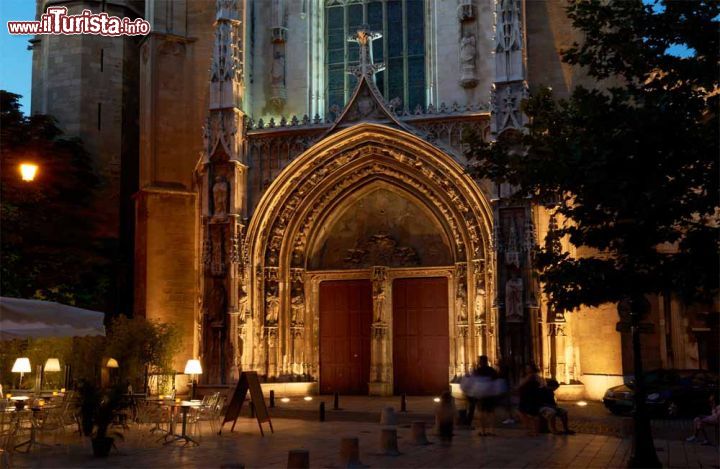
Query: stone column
column 381, row 347
column 272, row 319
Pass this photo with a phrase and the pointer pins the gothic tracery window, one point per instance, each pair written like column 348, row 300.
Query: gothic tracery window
column 401, row 48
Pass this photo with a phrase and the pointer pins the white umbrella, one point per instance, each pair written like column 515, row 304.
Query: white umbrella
column 20, row 318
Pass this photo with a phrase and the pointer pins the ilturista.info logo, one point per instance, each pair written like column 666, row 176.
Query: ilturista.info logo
column 57, row 21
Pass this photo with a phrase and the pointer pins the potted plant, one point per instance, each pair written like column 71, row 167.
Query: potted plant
column 97, row 411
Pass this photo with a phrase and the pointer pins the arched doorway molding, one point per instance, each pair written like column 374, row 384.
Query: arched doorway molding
column 308, row 190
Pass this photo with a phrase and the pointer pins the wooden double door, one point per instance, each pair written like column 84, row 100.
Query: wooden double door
column 421, row 350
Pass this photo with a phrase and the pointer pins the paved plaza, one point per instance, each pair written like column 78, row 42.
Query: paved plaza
column 510, row 448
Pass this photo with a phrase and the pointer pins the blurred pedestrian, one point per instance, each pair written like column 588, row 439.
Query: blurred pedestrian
column 699, row 423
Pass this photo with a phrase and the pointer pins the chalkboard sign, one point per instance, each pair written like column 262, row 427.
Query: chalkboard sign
column 248, row 382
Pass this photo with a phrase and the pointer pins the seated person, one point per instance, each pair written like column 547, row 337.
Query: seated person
column 549, row 409
column 701, row 422
column 529, row 399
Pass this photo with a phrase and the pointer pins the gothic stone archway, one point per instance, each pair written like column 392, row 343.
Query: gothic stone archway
column 310, row 194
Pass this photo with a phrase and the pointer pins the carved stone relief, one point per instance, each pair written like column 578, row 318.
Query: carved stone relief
column 461, row 299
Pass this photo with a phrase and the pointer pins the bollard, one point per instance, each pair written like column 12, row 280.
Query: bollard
column 350, row 452
column 445, row 417
column 298, row 459
column 336, row 401
column 403, row 402
column 252, row 410
column 387, row 416
column 272, row 399
column 388, row 442
column 418, row 434
column 322, row 411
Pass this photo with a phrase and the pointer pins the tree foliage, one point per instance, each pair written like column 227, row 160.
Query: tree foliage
column 47, row 241
column 631, row 168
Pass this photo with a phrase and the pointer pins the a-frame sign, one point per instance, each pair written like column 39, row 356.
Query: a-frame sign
column 248, row 382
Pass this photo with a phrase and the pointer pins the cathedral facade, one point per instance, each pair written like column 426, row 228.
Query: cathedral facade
column 304, row 208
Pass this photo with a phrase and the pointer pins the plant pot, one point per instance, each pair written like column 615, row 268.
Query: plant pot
column 101, row 447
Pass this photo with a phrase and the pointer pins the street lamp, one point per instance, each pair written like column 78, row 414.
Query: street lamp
column 22, row 366
column 193, row 368
column 631, row 311
column 28, row 171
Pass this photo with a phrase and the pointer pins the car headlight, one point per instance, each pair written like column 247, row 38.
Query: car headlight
column 609, row 394
column 653, row 397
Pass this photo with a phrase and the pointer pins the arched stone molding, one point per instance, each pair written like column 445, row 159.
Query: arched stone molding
column 298, row 202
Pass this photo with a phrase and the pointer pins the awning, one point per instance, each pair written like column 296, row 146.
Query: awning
column 21, row 318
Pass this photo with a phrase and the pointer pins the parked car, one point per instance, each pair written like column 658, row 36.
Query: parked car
column 670, row 393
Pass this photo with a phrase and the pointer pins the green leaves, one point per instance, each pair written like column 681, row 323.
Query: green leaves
column 633, row 166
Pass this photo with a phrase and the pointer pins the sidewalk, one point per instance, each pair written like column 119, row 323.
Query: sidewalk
column 245, row 446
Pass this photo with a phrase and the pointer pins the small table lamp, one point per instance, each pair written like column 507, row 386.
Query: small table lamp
column 22, row 366
column 193, row 368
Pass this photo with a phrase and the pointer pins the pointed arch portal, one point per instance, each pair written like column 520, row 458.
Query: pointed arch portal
column 368, row 202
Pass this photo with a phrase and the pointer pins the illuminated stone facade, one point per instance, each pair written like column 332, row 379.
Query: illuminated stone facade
column 254, row 191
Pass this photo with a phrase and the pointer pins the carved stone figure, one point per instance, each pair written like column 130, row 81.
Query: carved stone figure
column 378, row 281
column 220, row 196
column 297, row 308
column 513, row 298
column 272, row 309
column 278, row 93
column 217, row 262
column 468, row 53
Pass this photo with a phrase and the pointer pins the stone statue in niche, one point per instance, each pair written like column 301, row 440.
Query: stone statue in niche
column 272, row 309
column 278, row 92
column 220, row 197
column 512, row 248
column 217, row 262
column 378, row 285
column 297, row 308
column 213, row 325
column 468, row 53
column 461, row 298
column 513, row 297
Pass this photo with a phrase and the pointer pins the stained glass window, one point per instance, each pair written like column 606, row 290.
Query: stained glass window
column 401, row 48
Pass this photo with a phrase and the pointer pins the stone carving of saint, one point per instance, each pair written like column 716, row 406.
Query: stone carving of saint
column 277, row 71
column 378, row 294
column 462, row 301
column 272, row 309
column 468, row 52
column 513, row 298
column 297, row 308
column 220, row 196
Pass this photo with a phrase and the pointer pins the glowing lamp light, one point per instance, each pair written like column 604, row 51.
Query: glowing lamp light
column 436, row 399
column 285, row 399
column 52, row 364
column 193, row 367
column 308, row 398
column 28, row 171
column 112, row 363
column 22, row 365
column 582, row 403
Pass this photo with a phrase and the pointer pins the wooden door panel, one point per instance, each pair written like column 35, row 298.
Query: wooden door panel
column 345, row 317
column 421, row 344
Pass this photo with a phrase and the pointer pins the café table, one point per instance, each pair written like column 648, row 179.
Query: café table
column 32, row 415
column 184, row 408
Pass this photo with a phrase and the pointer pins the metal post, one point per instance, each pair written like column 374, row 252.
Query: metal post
column 643, row 448
column 272, row 399
column 336, row 401
column 403, row 402
column 322, row 411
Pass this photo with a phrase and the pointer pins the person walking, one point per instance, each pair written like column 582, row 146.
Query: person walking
column 488, row 395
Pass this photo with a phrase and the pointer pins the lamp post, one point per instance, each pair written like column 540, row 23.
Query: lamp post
column 22, row 366
column 643, row 448
column 193, row 368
